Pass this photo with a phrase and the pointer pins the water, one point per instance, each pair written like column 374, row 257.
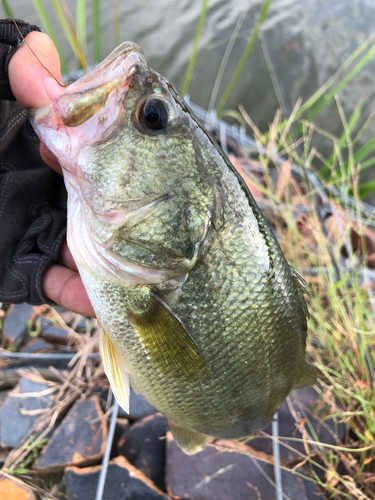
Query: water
column 308, row 40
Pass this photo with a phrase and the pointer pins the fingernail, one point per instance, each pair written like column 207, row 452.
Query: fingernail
column 52, row 88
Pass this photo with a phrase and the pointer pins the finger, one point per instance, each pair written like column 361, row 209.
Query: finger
column 49, row 158
column 29, row 81
column 64, row 286
column 67, row 257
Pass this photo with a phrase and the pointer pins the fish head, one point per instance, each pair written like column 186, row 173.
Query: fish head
column 126, row 141
column 121, row 92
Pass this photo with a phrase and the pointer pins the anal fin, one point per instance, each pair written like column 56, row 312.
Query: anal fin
column 306, row 376
column 189, row 441
column 115, row 369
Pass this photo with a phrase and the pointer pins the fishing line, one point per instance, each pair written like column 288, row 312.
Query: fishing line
column 36, row 57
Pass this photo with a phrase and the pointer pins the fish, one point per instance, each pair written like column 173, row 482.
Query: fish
column 198, row 309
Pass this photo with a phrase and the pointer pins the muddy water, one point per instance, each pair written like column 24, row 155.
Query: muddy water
column 307, row 39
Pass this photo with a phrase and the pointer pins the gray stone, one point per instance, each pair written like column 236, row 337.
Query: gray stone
column 223, row 475
column 53, row 333
column 138, row 407
column 37, row 345
column 14, row 421
column 144, row 446
column 79, row 440
column 15, row 324
column 329, row 433
column 123, row 482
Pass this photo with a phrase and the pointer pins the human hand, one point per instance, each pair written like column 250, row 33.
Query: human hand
column 33, row 87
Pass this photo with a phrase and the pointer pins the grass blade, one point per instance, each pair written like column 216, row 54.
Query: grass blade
column 368, row 163
column 366, row 188
column 325, row 171
column 324, row 88
column 322, row 91
column 97, row 31
column 322, row 103
column 360, row 154
column 48, row 28
column 194, row 52
column 8, row 11
column 244, row 57
column 81, row 26
column 67, row 25
column 117, row 22
column 226, row 56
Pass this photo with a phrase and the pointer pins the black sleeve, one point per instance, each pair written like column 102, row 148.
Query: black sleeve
column 32, row 195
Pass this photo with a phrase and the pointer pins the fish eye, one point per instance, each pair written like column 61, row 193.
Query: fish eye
column 154, row 114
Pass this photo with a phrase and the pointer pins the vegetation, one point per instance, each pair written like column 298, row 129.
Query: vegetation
column 341, row 326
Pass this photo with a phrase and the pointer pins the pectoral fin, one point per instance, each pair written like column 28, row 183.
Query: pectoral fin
column 189, row 441
column 115, row 369
column 167, row 341
column 306, row 376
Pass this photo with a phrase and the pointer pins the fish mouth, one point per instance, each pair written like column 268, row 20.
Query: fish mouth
column 85, row 98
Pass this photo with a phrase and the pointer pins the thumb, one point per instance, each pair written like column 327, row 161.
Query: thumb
column 31, row 84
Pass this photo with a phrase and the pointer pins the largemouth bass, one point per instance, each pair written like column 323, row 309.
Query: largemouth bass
column 198, row 308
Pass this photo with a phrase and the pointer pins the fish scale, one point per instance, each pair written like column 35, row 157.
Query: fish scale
column 197, row 306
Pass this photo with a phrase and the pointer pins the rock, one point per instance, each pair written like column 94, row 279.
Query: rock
column 4, row 452
column 15, row 324
column 79, row 440
column 3, row 396
column 80, row 324
column 68, row 316
column 123, row 482
column 15, row 490
column 222, row 475
column 138, row 407
column 37, row 345
column 53, row 333
column 306, row 397
column 142, row 446
column 14, row 421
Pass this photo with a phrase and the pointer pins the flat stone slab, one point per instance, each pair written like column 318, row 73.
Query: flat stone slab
column 144, row 446
column 14, row 420
column 15, row 324
column 37, row 345
column 138, row 407
column 15, row 490
column 215, row 473
column 79, row 440
column 123, row 482
column 327, row 432
column 53, row 333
